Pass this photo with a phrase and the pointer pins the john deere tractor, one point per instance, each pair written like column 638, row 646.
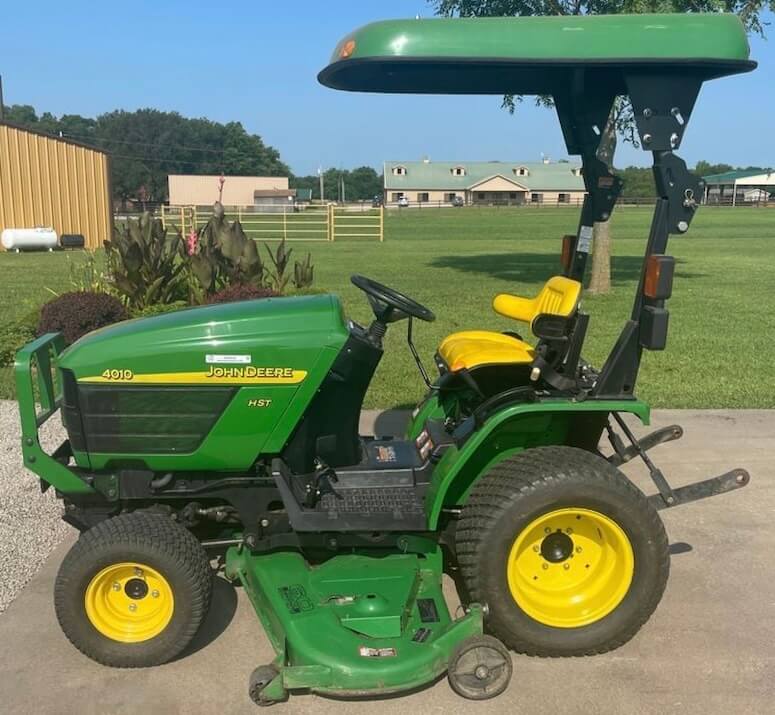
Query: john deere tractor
column 235, row 427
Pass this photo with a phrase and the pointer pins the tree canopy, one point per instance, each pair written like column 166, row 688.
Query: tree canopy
column 749, row 10
column 360, row 184
column 146, row 145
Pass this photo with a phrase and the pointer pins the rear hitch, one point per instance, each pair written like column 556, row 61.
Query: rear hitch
column 736, row 479
column 667, row 496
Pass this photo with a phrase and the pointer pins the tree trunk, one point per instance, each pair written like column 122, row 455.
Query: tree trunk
column 600, row 280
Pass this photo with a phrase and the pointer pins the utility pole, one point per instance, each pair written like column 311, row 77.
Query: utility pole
column 320, row 176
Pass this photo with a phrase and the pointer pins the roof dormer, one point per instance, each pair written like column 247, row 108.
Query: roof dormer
column 399, row 170
column 521, row 171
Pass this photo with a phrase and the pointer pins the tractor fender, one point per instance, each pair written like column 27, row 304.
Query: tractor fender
column 513, row 429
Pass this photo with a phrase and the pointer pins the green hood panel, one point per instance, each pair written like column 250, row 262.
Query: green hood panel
column 530, row 55
column 273, row 332
column 201, row 389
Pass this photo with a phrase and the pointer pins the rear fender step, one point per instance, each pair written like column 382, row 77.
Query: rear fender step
column 736, row 479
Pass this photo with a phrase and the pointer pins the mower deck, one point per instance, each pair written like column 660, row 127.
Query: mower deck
column 387, row 616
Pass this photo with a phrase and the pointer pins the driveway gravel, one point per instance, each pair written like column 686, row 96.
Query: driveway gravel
column 30, row 523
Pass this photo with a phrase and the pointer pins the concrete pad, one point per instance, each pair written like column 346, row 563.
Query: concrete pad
column 708, row 648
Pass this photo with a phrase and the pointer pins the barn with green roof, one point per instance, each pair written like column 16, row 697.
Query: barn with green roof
column 483, row 182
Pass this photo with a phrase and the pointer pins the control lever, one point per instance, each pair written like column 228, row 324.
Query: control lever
column 416, row 357
column 322, row 483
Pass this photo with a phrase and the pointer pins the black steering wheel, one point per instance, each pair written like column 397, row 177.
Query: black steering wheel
column 389, row 305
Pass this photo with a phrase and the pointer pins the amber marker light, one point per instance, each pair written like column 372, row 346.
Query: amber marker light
column 658, row 281
column 347, row 49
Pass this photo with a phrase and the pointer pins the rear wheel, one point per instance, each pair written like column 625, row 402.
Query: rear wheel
column 568, row 555
column 133, row 590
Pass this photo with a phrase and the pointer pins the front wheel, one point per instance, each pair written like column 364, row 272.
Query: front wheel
column 133, row 590
column 568, row 555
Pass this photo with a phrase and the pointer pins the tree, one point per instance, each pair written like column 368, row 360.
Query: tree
column 638, row 182
column 360, row 184
column 147, row 145
column 705, row 168
column 749, row 11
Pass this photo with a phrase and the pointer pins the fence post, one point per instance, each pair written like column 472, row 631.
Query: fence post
column 195, row 219
column 381, row 224
column 331, row 223
column 239, row 213
column 285, row 224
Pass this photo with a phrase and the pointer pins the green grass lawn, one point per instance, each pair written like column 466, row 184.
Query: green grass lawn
column 455, row 260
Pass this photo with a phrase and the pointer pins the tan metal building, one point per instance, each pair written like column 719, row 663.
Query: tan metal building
column 191, row 190
column 52, row 182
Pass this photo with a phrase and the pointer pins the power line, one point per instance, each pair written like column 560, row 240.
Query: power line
column 135, row 157
column 155, row 145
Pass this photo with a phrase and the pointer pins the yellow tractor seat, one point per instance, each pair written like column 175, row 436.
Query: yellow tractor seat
column 473, row 348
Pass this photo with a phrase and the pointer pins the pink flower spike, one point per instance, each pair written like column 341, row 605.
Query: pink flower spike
column 192, row 242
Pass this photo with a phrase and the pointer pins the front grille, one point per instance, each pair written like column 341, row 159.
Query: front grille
column 147, row 419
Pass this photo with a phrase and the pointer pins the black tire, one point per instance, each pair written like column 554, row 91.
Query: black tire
column 480, row 653
column 536, row 482
column 161, row 544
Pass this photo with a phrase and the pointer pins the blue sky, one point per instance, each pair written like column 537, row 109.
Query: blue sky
column 257, row 62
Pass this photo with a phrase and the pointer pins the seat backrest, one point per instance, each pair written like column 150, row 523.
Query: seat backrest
column 559, row 296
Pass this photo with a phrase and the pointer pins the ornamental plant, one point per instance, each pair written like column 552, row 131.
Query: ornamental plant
column 75, row 314
column 223, row 256
column 144, row 263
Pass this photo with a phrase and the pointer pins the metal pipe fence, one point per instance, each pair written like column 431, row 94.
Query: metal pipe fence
column 308, row 222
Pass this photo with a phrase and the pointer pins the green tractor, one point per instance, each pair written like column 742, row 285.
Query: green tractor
column 233, row 429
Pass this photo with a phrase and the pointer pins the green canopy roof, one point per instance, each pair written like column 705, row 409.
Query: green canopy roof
column 532, row 55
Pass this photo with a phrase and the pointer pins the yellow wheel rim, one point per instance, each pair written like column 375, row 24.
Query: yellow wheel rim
column 570, row 567
column 129, row 602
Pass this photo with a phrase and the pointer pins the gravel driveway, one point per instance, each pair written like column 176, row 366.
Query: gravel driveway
column 30, row 523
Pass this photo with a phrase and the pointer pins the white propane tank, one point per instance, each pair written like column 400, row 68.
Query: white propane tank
column 19, row 239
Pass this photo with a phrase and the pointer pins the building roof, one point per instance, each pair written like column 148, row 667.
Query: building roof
column 273, row 193
column 438, row 175
column 53, row 137
column 729, row 177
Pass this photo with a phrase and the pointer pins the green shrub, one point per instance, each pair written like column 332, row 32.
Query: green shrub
column 88, row 275
column 159, row 309
column 280, row 276
column 75, row 314
column 16, row 335
column 241, row 291
column 303, row 273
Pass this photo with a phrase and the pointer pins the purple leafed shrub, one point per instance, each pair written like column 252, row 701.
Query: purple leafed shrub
column 75, row 314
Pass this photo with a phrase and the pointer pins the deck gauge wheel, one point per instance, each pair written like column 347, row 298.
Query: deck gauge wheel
column 480, row 668
column 260, row 678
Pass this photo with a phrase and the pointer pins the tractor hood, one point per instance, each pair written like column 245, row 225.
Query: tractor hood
column 275, row 340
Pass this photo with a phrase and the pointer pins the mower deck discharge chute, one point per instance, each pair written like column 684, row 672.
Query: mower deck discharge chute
column 235, row 427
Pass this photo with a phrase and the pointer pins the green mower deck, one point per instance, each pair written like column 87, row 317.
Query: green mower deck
column 386, row 615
